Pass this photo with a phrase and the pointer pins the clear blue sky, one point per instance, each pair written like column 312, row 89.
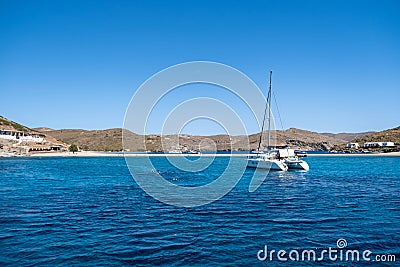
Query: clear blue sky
column 76, row 64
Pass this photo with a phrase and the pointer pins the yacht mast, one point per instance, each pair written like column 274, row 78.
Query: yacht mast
column 269, row 109
column 268, row 105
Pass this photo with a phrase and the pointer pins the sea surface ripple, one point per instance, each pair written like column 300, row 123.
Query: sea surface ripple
column 89, row 211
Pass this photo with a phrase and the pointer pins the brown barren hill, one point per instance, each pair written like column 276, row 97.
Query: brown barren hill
column 347, row 136
column 111, row 140
column 390, row 135
column 297, row 138
column 98, row 140
column 6, row 124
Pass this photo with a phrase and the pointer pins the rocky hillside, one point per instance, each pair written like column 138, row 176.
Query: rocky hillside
column 42, row 129
column 390, row 135
column 6, row 124
column 347, row 136
column 23, row 147
column 301, row 139
column 295, row 138
column 111, row 140
column 97, row 140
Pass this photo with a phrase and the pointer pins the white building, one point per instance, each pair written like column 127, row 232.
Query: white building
column 378, row 144
column 352, row 145
column 21, row 136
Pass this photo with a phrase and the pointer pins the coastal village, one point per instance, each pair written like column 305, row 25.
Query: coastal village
column 18, row 140
column 20, row 143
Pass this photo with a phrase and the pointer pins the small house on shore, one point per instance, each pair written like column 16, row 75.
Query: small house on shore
column 378, row 144
column 352, row 145
column 21, row 136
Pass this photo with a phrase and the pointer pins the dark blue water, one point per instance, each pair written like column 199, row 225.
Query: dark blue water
column 89, row 211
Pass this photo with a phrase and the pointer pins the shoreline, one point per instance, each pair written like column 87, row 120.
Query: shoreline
column 112, row 154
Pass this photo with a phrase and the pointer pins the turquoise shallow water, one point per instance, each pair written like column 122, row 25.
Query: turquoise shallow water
column 89, row 211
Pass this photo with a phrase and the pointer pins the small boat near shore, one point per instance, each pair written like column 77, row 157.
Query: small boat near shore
column 175, row 151
column 192, row 152
column 300, row 153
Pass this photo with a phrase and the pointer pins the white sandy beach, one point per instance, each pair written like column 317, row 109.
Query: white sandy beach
column 396, row 154
column 109, row 154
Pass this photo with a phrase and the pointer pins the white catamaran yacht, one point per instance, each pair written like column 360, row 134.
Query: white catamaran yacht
column 274, row 159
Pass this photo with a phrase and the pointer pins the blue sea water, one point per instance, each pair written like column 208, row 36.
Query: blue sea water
column 90, row 212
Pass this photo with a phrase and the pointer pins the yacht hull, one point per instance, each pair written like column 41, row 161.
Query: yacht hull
column 274, row 164
column 297, row 165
